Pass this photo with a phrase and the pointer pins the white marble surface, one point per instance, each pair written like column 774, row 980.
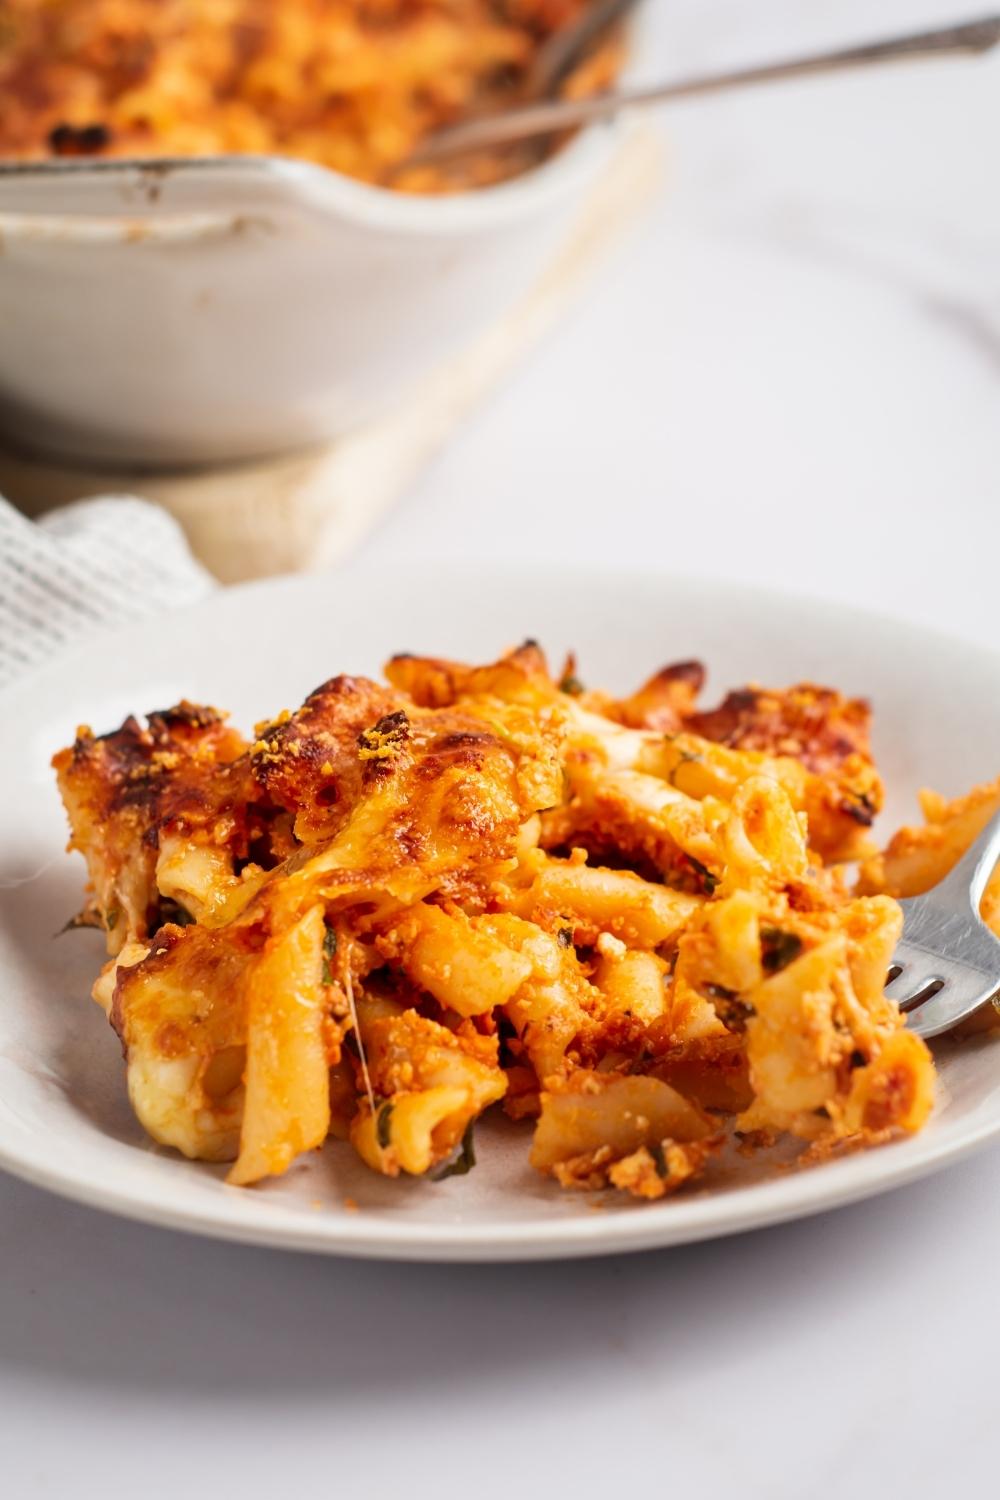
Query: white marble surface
column 792, row 373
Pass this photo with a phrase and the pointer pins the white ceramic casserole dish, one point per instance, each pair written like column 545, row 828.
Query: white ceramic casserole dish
column 196, row 311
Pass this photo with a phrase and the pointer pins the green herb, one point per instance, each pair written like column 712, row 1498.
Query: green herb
column 572, row 685
column 708, row 880
column 177, row 914
column 111, row 919
column 730, row 1009
column 659, row 1159
column 383, row 1124
column 85, row 919
column 463, row 1162
column 778, row 948
column 329, row 953
column 565, row 936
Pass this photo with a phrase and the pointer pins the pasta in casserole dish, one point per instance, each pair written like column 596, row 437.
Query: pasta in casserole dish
column 624, row 921
column 352, row 84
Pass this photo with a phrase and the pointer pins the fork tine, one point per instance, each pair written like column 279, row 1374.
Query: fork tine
column 910, row 982
column 947, row 963
column 918, row 990
column 947, row 1008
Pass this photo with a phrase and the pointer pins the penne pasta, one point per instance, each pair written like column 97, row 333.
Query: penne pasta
column 625, row 919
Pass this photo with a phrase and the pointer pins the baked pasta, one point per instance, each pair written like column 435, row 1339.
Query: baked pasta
column 352, row 84
column 624, row 921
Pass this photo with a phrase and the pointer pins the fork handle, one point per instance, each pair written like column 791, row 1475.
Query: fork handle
column 966, row 882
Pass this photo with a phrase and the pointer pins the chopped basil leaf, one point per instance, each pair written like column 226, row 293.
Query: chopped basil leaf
column 84, row 919
column 659, row 1159
column 778, row 948
column 463, row 1162
column 565, row 936
column 572, row 685
column 111, row 919
column 709, row 881
column 329, row 952
column 383, row 1124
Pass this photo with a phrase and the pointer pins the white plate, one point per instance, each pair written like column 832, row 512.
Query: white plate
column 64, row 1119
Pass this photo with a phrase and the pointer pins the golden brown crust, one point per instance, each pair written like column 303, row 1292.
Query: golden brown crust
column 664, row 702
column 307, row 763
column 829, row 734
column 118, row 789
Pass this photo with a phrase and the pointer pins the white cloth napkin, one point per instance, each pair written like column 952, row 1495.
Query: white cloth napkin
column 96, row 564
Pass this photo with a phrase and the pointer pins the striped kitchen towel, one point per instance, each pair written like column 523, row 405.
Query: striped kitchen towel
column 81, row 569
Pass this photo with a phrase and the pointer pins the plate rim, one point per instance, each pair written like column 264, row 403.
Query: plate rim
column 628, row 1229
column 495, row 573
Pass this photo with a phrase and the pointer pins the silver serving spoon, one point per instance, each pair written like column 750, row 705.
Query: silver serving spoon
column 557, row 57
column 546, row 118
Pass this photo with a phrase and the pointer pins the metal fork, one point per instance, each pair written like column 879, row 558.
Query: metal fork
column 947, row 963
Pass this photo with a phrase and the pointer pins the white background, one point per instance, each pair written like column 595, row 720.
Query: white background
column 790, row 373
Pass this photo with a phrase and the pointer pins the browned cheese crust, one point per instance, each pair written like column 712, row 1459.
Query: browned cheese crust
column 403, row 903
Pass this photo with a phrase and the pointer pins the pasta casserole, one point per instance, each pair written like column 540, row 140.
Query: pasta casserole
column 626, row 922
column 352, row 84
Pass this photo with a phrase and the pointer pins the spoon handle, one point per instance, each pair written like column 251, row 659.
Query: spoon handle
column 541, row 119
column 557, row 58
